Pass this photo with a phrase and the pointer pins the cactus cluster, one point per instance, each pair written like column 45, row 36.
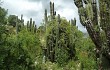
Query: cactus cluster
column 96, row 24
column 52, row 11
column 31, row 26
column 49, row 46
column 53, row 39
column 19, row 24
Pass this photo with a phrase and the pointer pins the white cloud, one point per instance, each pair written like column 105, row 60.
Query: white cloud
column 18, row 7
column 23, row 5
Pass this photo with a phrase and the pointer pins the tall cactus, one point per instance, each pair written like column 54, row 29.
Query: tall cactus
column 95, row 23
column 17, row 25
column 50, row 47
column 30, row 24
column 35, row 29
column 73, row 22
column 33, row 26
column 46, row 20
column 72, row 38
column 22, row 20
column 57, row 33
column 57, row 30
column 27, row 25
column 52, row 11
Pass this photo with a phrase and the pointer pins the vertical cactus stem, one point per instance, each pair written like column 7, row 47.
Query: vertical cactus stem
column 31, row 21
column 51, row 10
column 75, row 21
column 44, row 53
column 21, row 17
column 16, row 24
column 72, row 22
column 33, row 24
column 45, row 17
column 35, row 28
column 69, row 22
column 59, row 18
column 30, row 24
column 95, row 16
column 22, row 20
column 46, row 20
column 53, row 13
column 51, row 56
column 57, row 34
column 27, row 25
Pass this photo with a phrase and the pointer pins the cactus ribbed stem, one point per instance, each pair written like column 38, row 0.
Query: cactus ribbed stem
column 30, row 24
column 89, row 18
column 57, row 34
column 17, row 25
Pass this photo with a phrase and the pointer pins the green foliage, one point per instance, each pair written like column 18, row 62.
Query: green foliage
column 2, row 24
column 19, row 51
column 3, row 14
column 86, row 54
column 66, row 41
column 61, row 56
column 12, row 19
column 23, row 50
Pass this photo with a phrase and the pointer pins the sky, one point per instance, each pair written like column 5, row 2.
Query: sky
column 35, row 9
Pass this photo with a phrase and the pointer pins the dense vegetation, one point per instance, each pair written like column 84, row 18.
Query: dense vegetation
column 95, row 16
column 55, row 45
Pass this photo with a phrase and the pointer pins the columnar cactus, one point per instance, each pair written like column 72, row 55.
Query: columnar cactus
column 35, row 28
column 22, row 21
column 33, row 24
column 52, row 12
column 96, row 23
column 46, row 20
column 72, row 38
column 50, row 45
column 17, row 25
column 57, row 33
column 57, row 30
column 50, row 9
column 27, row 25
column 73, row 22
column 30, row 24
